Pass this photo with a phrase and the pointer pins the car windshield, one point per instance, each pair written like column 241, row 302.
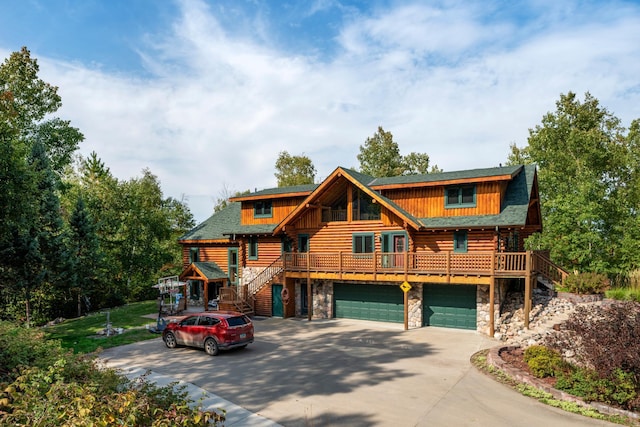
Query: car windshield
column 238, row 321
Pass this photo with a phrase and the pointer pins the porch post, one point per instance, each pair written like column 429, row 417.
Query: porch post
column 492, row 287
column 527, row 291
column 206, row 295
column 184, row 295
column 309, row 294
column 406, row 310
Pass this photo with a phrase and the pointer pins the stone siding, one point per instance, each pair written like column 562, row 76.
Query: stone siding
column 414, row 297
column 322, row 300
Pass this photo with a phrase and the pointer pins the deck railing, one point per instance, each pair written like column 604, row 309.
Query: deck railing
column 544, row 266
column 480, row 263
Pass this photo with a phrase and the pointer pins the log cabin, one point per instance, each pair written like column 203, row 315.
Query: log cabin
column 439, row 249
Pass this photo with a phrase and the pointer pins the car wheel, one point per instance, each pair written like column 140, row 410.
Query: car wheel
column 170, row 340
column 211, row 347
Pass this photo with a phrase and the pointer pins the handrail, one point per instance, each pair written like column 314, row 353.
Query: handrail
column 547, row 268
column 444, row 262
column 265, row 276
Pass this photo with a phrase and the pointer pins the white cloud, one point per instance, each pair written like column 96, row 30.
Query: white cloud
column 446, row 81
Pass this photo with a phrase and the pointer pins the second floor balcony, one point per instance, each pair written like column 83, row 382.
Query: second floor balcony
column 436, row 267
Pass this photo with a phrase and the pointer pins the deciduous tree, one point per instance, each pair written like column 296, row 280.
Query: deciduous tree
column 586, row 161
column 294, row 170
column 380, row 157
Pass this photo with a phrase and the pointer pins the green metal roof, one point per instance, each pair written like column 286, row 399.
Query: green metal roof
column 210, row 270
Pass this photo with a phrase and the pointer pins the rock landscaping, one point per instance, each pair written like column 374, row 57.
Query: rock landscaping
column 547, row 315
column 546, row 312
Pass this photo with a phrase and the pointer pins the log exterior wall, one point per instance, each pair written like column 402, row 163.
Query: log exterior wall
column 217, row 254
column 263, row 302
column 269, row 250
column 429, row 201
column 280, row 208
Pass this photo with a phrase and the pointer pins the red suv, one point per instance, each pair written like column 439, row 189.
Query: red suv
column 213, row 331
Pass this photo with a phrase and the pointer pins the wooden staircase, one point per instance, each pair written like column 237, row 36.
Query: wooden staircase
column 548, row 273
column 243, row 297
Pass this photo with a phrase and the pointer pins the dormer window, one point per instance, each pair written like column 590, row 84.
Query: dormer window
column 262, row 209
column 463, row 196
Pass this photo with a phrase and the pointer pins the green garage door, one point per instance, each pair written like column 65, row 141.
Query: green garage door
column 450, row 306
column 369, row 302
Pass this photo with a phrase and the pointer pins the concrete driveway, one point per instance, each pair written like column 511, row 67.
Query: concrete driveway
column 351, row 373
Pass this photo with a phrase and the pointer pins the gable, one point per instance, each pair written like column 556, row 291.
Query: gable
column 331, row 188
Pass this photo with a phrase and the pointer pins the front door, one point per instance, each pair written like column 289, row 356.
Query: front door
column 394, row 246
column 277, row 308
column 399, row 244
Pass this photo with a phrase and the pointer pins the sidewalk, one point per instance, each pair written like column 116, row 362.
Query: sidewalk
column 235, row 415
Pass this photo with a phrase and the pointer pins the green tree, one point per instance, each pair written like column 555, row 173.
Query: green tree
column 226, row 194
column 585, row 161
column 294, row 170
column 36, row 256
column 136, row 226
column 28, row 105
column 518, row 156
column 380, row 157
column 418, row 164
column 86, row 256
column 36, row 147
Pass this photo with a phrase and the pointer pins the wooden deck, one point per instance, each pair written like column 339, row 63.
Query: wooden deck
column 433, row 267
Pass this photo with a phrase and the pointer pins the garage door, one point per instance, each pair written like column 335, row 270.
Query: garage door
column 450, row 306
column 369, row 302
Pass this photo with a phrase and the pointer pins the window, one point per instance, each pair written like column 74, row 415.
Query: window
column 190, row 321
column 238, row 321
column 460, row 241
column 262, row 209
column 363, row 243
column 208, row 321
column 194, row 255
column 303, row 243
column 457, row 197
column 286, row 244
column 252, row 245
column 364, row 207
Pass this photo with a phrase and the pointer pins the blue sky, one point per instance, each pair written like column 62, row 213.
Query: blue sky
column 206, row 93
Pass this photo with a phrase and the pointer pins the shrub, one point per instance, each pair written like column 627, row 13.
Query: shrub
column 618, row 389
column 586, row 283
column 21, row 346
column 605, row 341
column 46, row 386
column 542, row 361
column 44, row 397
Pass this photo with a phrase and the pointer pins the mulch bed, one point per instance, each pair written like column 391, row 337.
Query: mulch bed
column 515, row 358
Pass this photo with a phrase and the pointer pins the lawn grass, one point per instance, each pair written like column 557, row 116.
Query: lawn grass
column 624, row 294
column 81, row 334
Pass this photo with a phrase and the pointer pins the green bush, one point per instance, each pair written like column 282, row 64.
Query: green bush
column 21, row 346
column 586, row 283
column 53, row 387
column 542, row 361
column 618, row 389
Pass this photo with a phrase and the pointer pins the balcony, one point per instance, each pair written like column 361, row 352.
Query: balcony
column 432, row 267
